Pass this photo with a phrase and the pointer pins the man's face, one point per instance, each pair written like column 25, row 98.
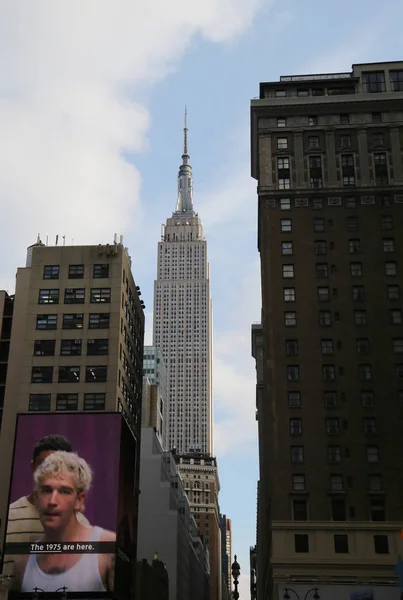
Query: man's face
column 57, row 501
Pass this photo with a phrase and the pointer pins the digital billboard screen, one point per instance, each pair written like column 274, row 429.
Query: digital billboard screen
column 70, row 522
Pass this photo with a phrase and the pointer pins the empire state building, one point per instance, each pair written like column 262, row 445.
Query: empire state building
column 183, row 321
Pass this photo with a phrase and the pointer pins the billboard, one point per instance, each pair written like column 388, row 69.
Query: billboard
column 340, row 591
column 71, row 518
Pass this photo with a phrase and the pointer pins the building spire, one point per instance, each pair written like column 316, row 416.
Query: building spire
column 184, row 202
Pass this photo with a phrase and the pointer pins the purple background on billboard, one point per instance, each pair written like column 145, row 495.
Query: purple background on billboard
column 95, row 437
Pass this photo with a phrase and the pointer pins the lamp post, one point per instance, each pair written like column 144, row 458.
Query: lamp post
column 287, row 596
column 236, row 571
column 64, row 592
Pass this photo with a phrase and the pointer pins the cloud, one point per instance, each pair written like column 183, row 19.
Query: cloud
column 72, row 81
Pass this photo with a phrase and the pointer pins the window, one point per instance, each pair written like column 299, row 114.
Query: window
column 396, row 81
column 344, row 119
column 358, row 293
column 318, row 92
column 312, row 121
column 98, row 321
column 345, row 141
column 290, row 319
column 319, row 224
column 293, row 373
column 360, row 317
column 340, row 543
column 381, row 544
column 315, row 170
column 332, row 426
column 376, row 117
column 354, row 246
column 320, row 247
column 390, row 269
column 356, row 269
column 400, row 397
column 48, row 297
column 286, row 248
column 44, row 347
column 297, row 454
column 285, row 204
column 334, row 454
column 396, row 316
column 95, row 374
column 352, row 223
column 347, row 169
column 313, row 141
column 51, row 272
column 336, row 483
column 303, row 93
column 375, row 483
column 97, row 347
column 398, row 346
column 370, row 426
column 296, row 426
column 399, row 371
column 299, row 510
column 281, row 93
column 69, row 374
column 294, row 399
column 298, row 483
column 322, row 270
column 101, row 271
column 330, row 398
column 317, row 203
column 70, row 348
column 74, row 296
column 286, row 225
column 289, row 294
column 76, row 271
column 39, row 402
column 323, row 294
column 100, row 295
column 368, row 398
column 67, row 402
column 329, row 372
column 393, row 292
column 301, row 542
column 373, row 81
column 377, row 509
column 288, row 271
column 377, row 139
column 327, row 346
column 365, row 372
column 282, row 143
column 362, row 345
column 281, row 122
column 94, row 401
column 338, row 510
column 46, row 321
column 386, row 222
column 381, row 168
column 73, row 321
column 325, row 318
column 283, row 173
column 372, row 454
column 42, row 375
column 351, row 202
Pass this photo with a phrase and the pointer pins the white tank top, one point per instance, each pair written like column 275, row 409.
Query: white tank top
column 84, row 576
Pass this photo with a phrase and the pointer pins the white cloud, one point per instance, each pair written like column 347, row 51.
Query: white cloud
column 71, row 80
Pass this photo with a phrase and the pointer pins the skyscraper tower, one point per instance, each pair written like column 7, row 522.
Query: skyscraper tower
column 182, row 320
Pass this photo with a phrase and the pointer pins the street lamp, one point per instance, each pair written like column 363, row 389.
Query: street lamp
column 236, row 571
column 64, row 590
column 287, row 595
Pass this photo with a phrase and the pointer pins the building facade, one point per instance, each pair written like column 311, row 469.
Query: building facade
column 327, row 154
column 6, row 320
column 155, row 392
column 183, row 321
column 76, row 341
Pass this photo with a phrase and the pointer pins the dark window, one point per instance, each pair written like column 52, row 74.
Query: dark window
column 372, row 454
column 290, row 319
column 376, row 117
column 330, row 398
column 100, row 295
column 303, row 93
column 334, row 454
column 294, row 399
column 391, row 269
column 329, row 372
column 341, row 543
column 297, row 454
column 39, row 402
column 70, row 347
column 386, row 222
column 400, row 397
column 94, row 401
column 373, row 81
column 399, row 371
column 356, row 269
column 313, row 141
column 323, row 294
column 389, row 245
column 332, row 426
column 322, row 270
column 398, row 346
column 320, row 247
column 286, row 248
column 97, row 347
column 101, row 271
column 293, row 373
column 76, row 271
column 377, row 509
column 354, row 246
column 344, row 119
column 325, row 318
column 301, row 542
column 317, row 203
column 299, row 510
column 48, row 297
column 358, row 292
column 362, row 345
column 396, row 81
column 396, row 316
column 95, row 373
column 393, row 292
column 370, row 426
column 345, row 141
column 381, row 544
column 291, row 347
column 360, row 317
column 318, row 92
column 73, row 321
column 381, row 168
column 375, row 483
column 44, row 347
column 98, row 321
column 74, row 296
column 336, row 483
column 326, row 346
column 367, row 398
column 377, row 139
column 312, row 121
column 288, row 271
column 281, row 93
column 298, row 483
column 365, row 372
column 51, row 272
column 67, row 402
column 315, row 171
column 347, row 169
column 318, row 224
column 69, row 374
column 352, row 223
column 338, row 510
column 286, row 225
column 46, row 321
column 351, row 202
column 296, row 426
column 41, row 374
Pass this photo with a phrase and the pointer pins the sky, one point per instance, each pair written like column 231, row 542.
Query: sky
column 92, row 96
